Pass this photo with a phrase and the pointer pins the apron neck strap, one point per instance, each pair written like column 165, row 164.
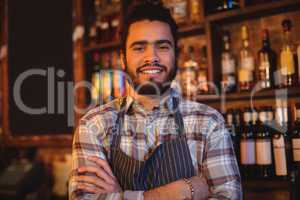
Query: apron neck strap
column 178, row 117
column 121, row 115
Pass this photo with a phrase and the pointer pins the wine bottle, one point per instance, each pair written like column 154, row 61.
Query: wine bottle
column 230, row 125
column 246, row 65
column 178, row 10
column 247, row 146
column 188, row 75
column 295, row 138
column 263, row 147
column 298, row 55
column 203, row 87
column 266, row 62
column 295, row 135
column 119, row 84
column 288, row 73
column 95, row 92
column 228, row 66
column 196, row 12
column 282, row 148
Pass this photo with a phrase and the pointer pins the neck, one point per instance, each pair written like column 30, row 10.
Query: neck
column 148, row 101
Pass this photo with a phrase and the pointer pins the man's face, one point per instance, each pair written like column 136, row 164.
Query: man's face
column 150, row 56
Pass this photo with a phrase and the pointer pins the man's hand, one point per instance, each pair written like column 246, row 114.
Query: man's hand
column 98, row 178
column 180, row 190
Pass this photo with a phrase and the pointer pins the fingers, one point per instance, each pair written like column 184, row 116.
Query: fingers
column 89, row 188
column 94, row 181
column 103, row 163
column 99, row 172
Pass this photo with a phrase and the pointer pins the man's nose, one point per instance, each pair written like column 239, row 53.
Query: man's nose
column 151, row 54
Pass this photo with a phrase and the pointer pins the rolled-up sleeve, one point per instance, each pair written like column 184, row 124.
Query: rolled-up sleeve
column 220, row 166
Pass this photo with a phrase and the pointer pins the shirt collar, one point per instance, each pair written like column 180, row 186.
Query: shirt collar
column 165, row 103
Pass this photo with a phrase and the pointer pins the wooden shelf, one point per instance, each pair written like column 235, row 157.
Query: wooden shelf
column 247, row 96
column 263, row 185
column 183, row 32
column 262, row 9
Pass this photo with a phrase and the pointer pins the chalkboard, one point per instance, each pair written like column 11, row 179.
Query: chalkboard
column 40, row 66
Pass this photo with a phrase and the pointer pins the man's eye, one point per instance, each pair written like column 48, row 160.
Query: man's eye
column 164, row 47
column 138, row 48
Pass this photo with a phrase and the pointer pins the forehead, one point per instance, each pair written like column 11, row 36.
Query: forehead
column 149, row 31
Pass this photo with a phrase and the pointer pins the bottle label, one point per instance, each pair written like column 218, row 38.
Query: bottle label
column 229, row 119
column 115, row 23
column 247, row 116
column 231, row 81
column 247, row 152
column 104, row 25
column 248, row 63
column 254, row 116
column 287, row 62
column 296, row 149
column 263, row 151
column 270, row 115
column 228, row 66
column 298, row 110
column 180, row 11
column 262, row 116
column 279, row 156
column 245, row 75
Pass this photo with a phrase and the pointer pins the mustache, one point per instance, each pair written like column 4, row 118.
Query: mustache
column 139, row 69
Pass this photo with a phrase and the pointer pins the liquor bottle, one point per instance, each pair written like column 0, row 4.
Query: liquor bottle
column 188, row 74
column 230, row 125
column 196, row 11
column 202, row 72
column 295, row 138
column 246, row 65
column 247, row 146
column 282, row 147
column 95, row 78
column 298, row 55
column 295, row 135
column 266, row 62
column 115, row 19
column 104, row 29
column 98, row 4
column 178, row 10
column 288, row 60
column 263, row 147
column 119, row 85
column 228, row 66
column 106, row 79
column 236, row 113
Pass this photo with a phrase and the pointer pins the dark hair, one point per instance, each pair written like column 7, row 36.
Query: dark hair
column 143, row 11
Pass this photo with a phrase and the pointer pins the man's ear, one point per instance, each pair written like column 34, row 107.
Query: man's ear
column 122, row 56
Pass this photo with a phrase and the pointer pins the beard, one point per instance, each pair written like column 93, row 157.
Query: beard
column 151, row 86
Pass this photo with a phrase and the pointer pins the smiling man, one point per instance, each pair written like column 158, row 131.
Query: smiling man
column 152, row 144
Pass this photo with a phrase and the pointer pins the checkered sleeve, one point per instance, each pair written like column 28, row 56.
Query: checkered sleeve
column 87, row 142
column 220, row 166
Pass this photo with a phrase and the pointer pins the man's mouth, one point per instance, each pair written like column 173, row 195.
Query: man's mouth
column 151, row 69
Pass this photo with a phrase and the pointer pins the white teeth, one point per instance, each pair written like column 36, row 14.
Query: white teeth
column 151, row 71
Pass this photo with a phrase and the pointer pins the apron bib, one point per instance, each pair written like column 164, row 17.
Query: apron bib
column 169, row 162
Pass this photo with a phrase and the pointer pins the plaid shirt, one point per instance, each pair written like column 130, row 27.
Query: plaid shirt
column 208, row 140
